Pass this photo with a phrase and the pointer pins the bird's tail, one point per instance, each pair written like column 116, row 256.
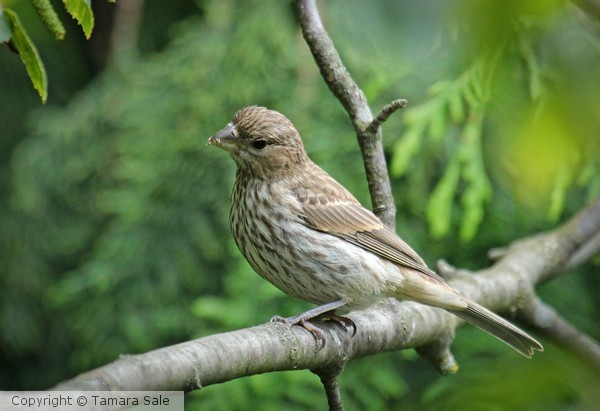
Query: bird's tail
column 497, row 326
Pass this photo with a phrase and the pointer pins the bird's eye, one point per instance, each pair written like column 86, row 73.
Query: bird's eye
column 259, row 144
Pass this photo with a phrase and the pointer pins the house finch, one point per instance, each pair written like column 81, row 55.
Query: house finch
column 306, row 234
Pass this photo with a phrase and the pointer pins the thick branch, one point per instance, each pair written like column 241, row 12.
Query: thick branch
column 353, row 99
column 390, row 326
column 269, row 347
column 551, row 254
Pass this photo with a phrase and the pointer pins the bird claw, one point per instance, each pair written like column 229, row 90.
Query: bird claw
column 323, row 311
column 317, row 333
column 345, row 322
column 280, row 319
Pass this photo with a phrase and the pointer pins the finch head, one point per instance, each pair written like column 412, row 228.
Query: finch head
column 262, row 142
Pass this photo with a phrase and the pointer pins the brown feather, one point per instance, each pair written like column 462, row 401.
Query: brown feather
column 347, row 219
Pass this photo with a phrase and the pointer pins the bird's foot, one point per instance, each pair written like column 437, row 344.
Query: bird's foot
column 325, row 310
column 317, row 333
column 345, row 322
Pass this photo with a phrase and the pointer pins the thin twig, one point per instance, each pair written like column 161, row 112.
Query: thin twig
column 124, row 37
column 557, row 329
column 385, row 113
column 352, row 98
column 583, row 233
column 439, row 355
column 329, row 379
column 586, row 251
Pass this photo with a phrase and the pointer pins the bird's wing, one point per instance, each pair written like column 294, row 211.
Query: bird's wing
column 333, row 210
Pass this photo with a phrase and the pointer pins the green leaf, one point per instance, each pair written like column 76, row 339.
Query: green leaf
column 590, row 177
column 473, row 201
column 49, row 17
column 479, row 190
column 5, row 32
column 437, row 124
column 439, row 206
column 456, row 107
column 29, row 55
column 404, row 150
column 562, row 182
column 535, row 72
column 81, row 10
column 470, row 95
column 439, row 87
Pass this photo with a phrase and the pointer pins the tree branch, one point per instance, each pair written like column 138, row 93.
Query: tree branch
column 385, row 113
column 591, row 7
column 570, row 245
column 557, row 329
column 368, row 131
column 329, row 379
column 124, row 36
column 389, row 326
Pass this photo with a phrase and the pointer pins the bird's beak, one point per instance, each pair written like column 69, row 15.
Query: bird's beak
column 226, row 139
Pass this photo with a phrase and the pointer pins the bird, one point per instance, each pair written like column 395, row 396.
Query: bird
column 301, row 230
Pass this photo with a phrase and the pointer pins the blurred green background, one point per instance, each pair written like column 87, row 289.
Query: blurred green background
column 114, row 214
